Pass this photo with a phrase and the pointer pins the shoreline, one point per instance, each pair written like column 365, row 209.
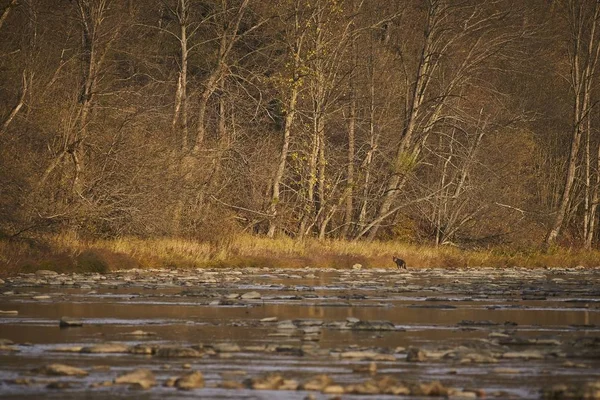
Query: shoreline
column 66, row 253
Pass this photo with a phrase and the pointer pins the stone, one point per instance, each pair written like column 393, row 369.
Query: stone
column 41, row 297
column 226, row 347
column 45, row 272
column 251, row 296
column 368, row 355
column 333, row 389
column 60, row 385
column 269, row 382
column 269, row 319
column 373, row 326
column 139, row 333
column 177, row 351
column 67, row 322
column 60, row 370
column 286, row 325
column 369, row 387
column 106, row 348
column 142, row 349
column 523, row 355
column 193, row 380
column 66, row 349
column 318, row 383
column 389, row 385
column 228, row 384
column 9, row 312
column 434, row 388
column 140, row 378
column 415, row 355
column 477, row 358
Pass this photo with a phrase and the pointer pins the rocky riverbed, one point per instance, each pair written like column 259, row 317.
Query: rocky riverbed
column 302, row 334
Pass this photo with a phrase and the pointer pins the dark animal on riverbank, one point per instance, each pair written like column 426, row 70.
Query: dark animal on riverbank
column 399, row 262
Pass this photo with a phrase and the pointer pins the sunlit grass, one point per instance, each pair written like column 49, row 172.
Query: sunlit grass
column 68, row 252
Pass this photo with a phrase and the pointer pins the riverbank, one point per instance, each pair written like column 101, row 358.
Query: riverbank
column 67, row 253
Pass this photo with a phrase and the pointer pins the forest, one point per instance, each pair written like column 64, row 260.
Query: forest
column 469, row 123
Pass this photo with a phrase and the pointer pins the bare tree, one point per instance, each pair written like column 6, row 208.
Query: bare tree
column 584, row 51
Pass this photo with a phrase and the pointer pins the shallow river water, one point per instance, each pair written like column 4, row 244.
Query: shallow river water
column 304, row 333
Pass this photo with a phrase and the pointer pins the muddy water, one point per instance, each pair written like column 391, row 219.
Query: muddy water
column 508, row 334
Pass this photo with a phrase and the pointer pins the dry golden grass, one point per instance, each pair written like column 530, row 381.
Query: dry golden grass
column 69, row 253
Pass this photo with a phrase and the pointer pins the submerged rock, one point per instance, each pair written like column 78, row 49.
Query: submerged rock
column 193, row 380
column 60, row 370
column 177, row 351
column 140, row 378
column 523, row 355
column 106, row 348
column 415, row 354
column 318, row 383
column 588, row 391
column 66, row 322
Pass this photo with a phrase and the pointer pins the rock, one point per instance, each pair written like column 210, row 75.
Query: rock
column 371, row 368
column 60, row 385
column 66, row 349
column 368, row 355
column 587, row 391
column 389, row 385
column 269, row 319
column 334, row 389
column 139, row 333
column 41, row 297
column 9, row 312
column 318, row 383
column 369, row 387
column 193, row 380
column 142, row 349
column 357, row 267
column 269, row 382
column 286, row 325
column 227, row 384
column 477, row 358
column 67, row 322
column 226, row 347
column 7, row 348
column 460, row 395
column 45, row 272
column 251, row 296
column 523, row 355
column 106, row 348
column 60, row 370
column 373, row 326
column 142, row 378
column 415, row 354
column 429, row 389
column 176, row 351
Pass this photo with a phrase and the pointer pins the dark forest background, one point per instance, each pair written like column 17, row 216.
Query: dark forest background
column 466, row 122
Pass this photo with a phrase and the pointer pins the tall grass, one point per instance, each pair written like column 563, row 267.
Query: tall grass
column 67, row 252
